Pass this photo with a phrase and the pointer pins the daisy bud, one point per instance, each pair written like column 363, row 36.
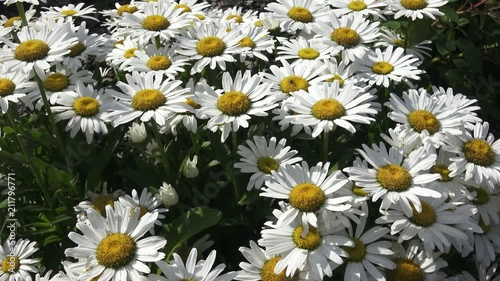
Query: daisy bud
column 137, row 132
column 190, row 171
column 168, row 195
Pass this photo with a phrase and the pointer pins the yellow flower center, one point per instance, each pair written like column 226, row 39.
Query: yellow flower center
column 346, row 37
column 31, row 50
column 421, row 120
column 116, row 250
column 307, row 197
column 56, row 82
column 301, row 14
column 86, row 106
column 142, row 211
column 159, row 63
column 356, row 5
column 247, row 42
column 10, row 21
column 234, row 103
column 406, row 270
column 382, row 67
column 77, row 49
column 100, row 203
column 148, row 99
column 399, row 43
column 236, row 18
column 130, row 53
column 443, row 171
column 358, row 191
column 425, row 218
column 200, row 17
column 356, row 253
column 482, row 196
column 267, row 272
column 310, row 242
column 10, row 264
column 7, row 87
column 327, row 109
column 308, row 53
column 155, row 23
column 394, row 178
column 258, row 23
column 336, row 77
column 479, row 152
column 414, row 4
column 127, row 9
column 119, row 42
column 267, row 164
column 293, row 83
column 68, row 13
column 185, row 8
column 210, row 46
column 192, row 103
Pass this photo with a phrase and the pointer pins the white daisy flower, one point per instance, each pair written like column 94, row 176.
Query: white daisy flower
column 115, row 16
column 14, row 87
column 296, row 15
column 16, row 264
column 15, row 23
column 70, row 11
column 209, row 45
column 34, row 2
column 163, row 60
column 86, row 108
column 380, row 68
column 486, row 245
column 398, row 179
column 483, row 273
column 147, row 203
column 98, row 202
column 431, row 118
column 87, row 48
column 193, row 7
column 463, row 105
column 478, row 155
column 58, row 81
column 122, row 52
column 148, row 96
column 261, row 158
column 261, row 266
column 486, row 202
column 40, row 48
column 289, row 79
column 367, row 252
column 231, row 107
column 349, row 34
column 416, row 9
column 316, row 248
column 160, row 20
column 258, row 40
column 416, row 264
column 404, row 138
column 389, row 37
column 435, row 225
column 326, row 107
column 137, row 132
column 309, row 191
column 188, row 118
column 192, row 270
column 114, row 245
column 363, row 7
column 304, row 51
column 236, row 15
column 337, row 71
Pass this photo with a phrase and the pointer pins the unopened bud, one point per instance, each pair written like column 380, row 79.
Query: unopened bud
column 168, row 195
column 190, row 171
column 137, row 132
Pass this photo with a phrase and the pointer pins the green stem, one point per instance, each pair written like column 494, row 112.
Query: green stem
column 163, row 156
column 195, row 144
column 22, row 13
column 325, row 146
column 45, row 191
column 234, row 138
column 407, row 32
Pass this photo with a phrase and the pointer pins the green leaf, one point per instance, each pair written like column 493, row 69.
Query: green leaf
column 418, row 31
column 392, row 25
column 472, row 55
column 450, row 13
column 189, row 224
column 8, row 130
column 51, row 239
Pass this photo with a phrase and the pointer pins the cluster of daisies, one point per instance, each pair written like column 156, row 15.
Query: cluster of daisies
column 170, row 67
